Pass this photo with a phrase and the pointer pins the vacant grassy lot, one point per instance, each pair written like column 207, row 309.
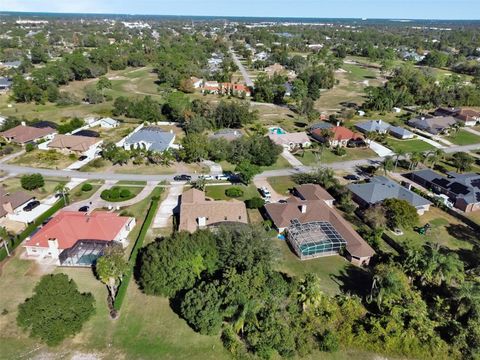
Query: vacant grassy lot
column 281, row 184
column 99, row 165
column 463, row 137
column 408, row 146
column 217, row 192
column 312, row 158
column 48, row 159
column 445, row 230
column 13, row 184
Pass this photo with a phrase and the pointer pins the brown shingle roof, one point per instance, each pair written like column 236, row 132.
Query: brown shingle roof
column 194, row 205
column 313, row 192
column 23, row 134
column 13, row 200
column 73, row 142
column 317, row 210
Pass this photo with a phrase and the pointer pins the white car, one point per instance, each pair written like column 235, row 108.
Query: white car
column 265, row 192
column 222, row 177
column 206, row 177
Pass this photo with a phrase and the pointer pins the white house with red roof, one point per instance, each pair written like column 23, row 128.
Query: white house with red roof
column 69, row 228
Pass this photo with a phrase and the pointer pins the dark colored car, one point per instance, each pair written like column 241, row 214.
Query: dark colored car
column 352, row 177
column 84, row 208
column 182, row 178
column 31, row 205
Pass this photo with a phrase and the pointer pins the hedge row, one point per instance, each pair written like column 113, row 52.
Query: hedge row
column 31, row 228
column 122, row 289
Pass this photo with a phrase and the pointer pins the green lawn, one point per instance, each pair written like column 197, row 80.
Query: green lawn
column 326, row 268
column 327, row 156
column 76, row 194
column 217, row 192
column 463, row 137
column 445, row 230
column 12, row 184
column 49, row 159
column 408, row 146
column 281, row 184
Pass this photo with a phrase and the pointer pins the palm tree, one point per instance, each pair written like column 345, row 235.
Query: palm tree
column 167, row 157
column 63, row 189
column 435, row 156
column 370, row 136
column 387, row 164
column 400, row 153
column 248, row 314
column 3, row 239
column 415, row 159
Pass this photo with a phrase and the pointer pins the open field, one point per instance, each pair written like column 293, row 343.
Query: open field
column 463, row 137
column 48, row 159
column 408, row 146
column 310, row 158
column 12, row 184
column 445, row 230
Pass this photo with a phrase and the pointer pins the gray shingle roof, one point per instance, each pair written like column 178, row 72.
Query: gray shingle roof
column 373, row 125
column 159, row 139
column 400, row 131
column 433, row 125
column 321, row 125
column 380, row 188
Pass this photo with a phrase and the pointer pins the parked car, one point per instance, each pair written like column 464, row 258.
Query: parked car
column 265, row 193
column 83, row 157
column 84, row 208
column 352, row 177
column 31, row 205
column 222, row 177
column 206, row 177
column 182, row 178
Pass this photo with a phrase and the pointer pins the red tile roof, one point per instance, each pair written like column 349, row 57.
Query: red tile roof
column 70, row 226
column 342, row 133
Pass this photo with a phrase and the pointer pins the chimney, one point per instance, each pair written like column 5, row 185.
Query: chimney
column 23, row 123
column 53, row 243
column 303, row 208
column 202, row 221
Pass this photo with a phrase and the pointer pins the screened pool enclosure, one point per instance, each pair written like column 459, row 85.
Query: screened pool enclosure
column 314, row 239
column 83, row 253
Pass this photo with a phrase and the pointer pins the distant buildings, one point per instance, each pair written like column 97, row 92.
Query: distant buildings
column 377, row 126
column 400, row 132
column 462, row 189
column 380, row 188
column 289, row 141
column 336, row 136
column 149, row 138
column 433, row 125
column 227, row 134
column 467, row 117
column 5, row 84
column 314, row 228
column 10, row 64
column 74, row 144
column 198, row 213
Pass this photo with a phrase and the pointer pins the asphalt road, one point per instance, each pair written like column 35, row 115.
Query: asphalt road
column 246, row 77
column 343, row 165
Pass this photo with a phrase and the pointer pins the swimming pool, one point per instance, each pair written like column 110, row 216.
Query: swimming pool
column 277, row 130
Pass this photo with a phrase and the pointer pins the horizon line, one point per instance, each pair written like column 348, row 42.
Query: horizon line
column 234, row 16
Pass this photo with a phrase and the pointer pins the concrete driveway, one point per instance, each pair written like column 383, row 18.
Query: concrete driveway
column 166, row 208
column 262, row 182
column 91, row 154
column 292, row 160
column 380, row 149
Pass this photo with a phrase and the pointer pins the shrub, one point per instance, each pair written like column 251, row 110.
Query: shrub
column 116, row 194
column 32, row 181
column 29, row 147
column 255, row 203
column 234, row 192
column 125, row 193
column 87, row 187
column 97, row 163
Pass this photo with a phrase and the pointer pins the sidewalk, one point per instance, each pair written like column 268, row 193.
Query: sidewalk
column 292, row 160
column 380, row 150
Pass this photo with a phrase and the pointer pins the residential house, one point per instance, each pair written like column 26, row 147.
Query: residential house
column 315, row 229
column 290, row 141
column 5, row 84
column 196, row 82
column 340, row 136
column 11, row 203
column 320, row 125
column 10, row 64
column 400, row 132
column 433, row 125
column 466, row 117
column 210, row 87
column 23, row 134
column 275, row 69
column 74, row 144
column 377, row 126
column 75, row 238
column 196, row 212
column 150, row 138
column 234, row 89
column 227, row 134
column 462, row 189
column 380, row 188
column 108, row 123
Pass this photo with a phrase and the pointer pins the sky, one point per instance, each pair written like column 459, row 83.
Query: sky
column 397, row 9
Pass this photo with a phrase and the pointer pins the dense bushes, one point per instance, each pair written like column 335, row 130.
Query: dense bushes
column 255, row 203
column 32, row 181
column 68, row 127
column 87, row 187
column 234, row 192
column 116, row 193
